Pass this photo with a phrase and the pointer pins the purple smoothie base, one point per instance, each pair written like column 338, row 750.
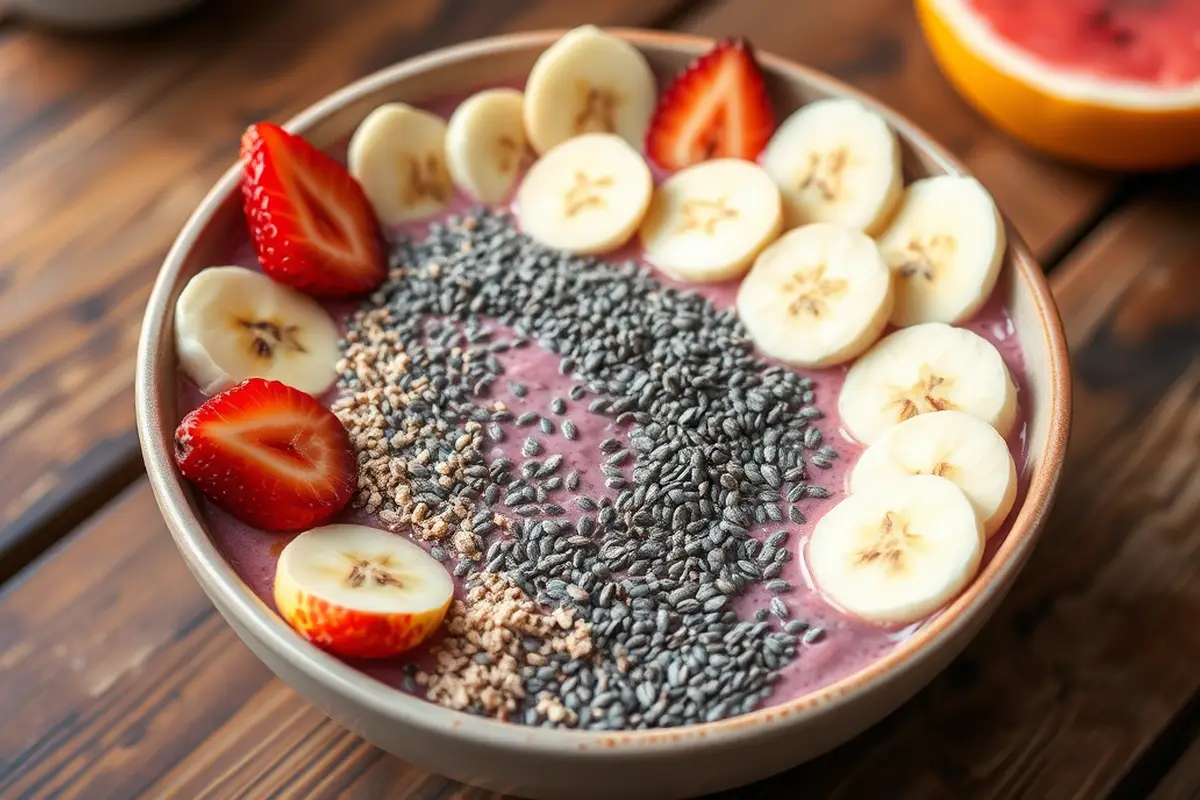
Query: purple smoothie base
column 849, row 644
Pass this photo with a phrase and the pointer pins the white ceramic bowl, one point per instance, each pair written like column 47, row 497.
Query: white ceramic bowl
column 578, row 764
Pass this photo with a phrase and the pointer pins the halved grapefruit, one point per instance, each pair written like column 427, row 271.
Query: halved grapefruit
column 1110, row 83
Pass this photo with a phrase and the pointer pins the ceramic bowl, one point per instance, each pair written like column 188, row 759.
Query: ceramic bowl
column 539, row 762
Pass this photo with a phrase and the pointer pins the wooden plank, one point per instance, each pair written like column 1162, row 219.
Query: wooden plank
column 116, row 679
column 1079, row 678
column 1182, row 782
column 106, row 145
column 111, row 648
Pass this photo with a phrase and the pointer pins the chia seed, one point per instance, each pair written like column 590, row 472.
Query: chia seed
column 634, row 595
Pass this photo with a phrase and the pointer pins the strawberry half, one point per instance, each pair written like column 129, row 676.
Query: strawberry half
column 270, row 455
column 716, row 108
column 312, row 226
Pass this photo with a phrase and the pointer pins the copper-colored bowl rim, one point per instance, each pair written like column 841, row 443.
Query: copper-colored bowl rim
column 228, row 590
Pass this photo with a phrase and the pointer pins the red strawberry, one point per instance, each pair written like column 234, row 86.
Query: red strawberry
column 270, row 455
column 312, row 226
column 716, row 108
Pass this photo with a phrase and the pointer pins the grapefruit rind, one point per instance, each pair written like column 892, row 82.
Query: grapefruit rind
column 1101, row 122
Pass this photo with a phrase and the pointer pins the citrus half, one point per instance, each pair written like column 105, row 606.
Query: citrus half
column 1116, row 87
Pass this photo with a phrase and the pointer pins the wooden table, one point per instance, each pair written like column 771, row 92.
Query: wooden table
column 118, row 679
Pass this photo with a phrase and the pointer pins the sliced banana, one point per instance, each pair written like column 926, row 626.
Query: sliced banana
column 589, row 81
column 587, row 195
column 232, row 324
column 360, row 591
column 836, row 161
column 945, row 245
column 952, row 445
column 819, row 295
column 486, row 144
column 929, row 367
column 899, row 552
column 707, row 222
column 398, row 155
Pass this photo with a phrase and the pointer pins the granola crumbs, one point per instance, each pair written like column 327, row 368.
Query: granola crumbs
column 391, row 460
column 479, row 664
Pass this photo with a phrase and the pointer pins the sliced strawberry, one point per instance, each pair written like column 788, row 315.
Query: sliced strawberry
column 716, row 108
column 270, row 455
column 312, row 225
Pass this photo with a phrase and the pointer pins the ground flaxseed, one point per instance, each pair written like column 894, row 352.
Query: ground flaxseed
column 481, row 662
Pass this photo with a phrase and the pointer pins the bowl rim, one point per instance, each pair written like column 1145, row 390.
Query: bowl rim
column 230, row 594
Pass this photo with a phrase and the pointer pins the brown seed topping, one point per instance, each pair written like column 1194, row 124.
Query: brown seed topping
column 495, row 619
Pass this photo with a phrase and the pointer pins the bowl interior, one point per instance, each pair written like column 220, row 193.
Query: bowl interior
column 205, row 240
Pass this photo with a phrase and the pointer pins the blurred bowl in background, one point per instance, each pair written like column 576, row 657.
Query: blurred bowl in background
column 95, row 14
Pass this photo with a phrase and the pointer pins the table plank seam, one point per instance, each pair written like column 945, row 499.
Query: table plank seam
column 115, row 709
column 1127, row 192
column 1162, row 753
column 683, row 13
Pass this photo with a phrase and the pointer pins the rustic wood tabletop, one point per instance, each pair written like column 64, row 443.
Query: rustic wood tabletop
column 119, row 680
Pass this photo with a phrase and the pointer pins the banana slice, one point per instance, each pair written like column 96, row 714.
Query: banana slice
column 929, row 367
column 587, row 195
column 945, row 245
column 589, row 81
column 360, row 591
column 232, row 324
column 398, row 156
column 486, row 144
column 819, row 295
column 950, row 444
column 836, row 161
column 706, row 223
column 899, row 552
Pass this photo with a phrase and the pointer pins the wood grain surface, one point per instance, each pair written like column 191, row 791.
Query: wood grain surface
column 1183, row 781
column 118, row 679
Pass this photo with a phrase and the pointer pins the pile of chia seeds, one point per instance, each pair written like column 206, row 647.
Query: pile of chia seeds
column 707, row 446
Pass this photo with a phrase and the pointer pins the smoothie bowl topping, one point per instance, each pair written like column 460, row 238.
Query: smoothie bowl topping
column 590, row 405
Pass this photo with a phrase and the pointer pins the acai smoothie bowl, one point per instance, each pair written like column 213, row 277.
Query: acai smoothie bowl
column 602, row 413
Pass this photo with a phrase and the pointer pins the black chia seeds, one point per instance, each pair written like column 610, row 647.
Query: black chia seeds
column 712, row 443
